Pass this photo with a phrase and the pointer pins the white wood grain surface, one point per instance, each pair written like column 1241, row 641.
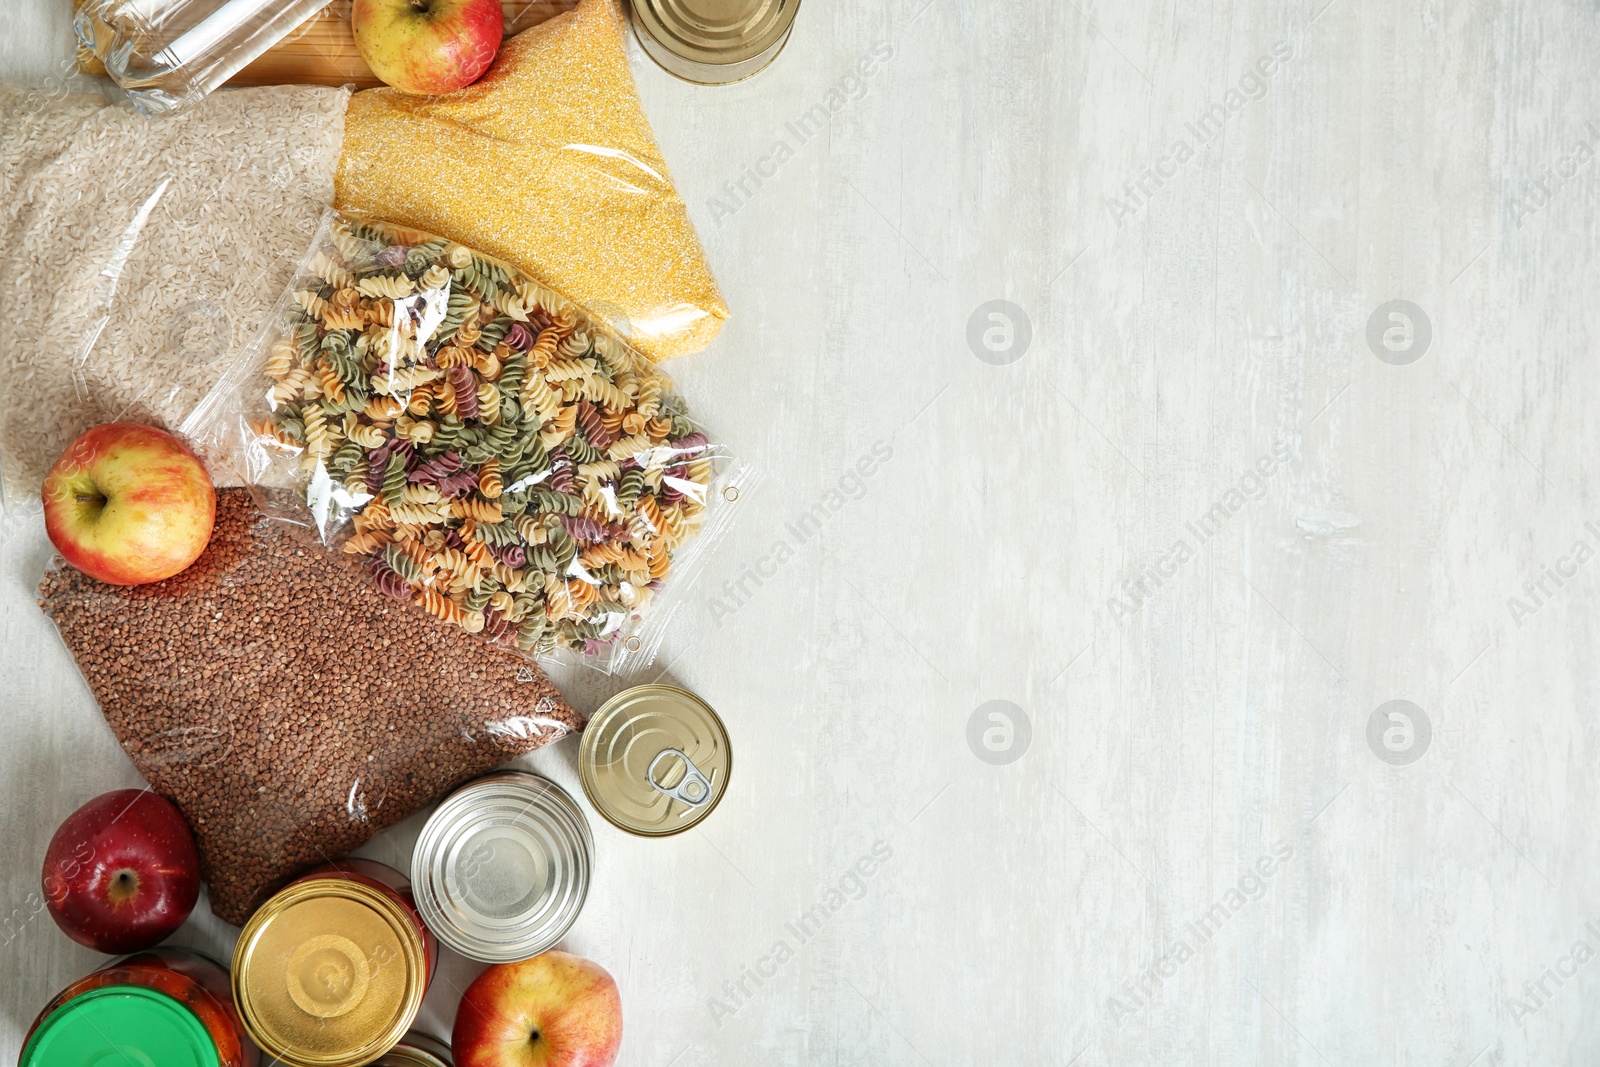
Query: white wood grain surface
column 1197, row 858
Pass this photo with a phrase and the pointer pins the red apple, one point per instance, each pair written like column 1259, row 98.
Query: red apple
column 122, row 872
column 428, row 46
column 129, row 504
column 555, row 1010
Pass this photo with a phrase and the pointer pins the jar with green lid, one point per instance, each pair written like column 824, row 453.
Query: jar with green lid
column 167, row 1006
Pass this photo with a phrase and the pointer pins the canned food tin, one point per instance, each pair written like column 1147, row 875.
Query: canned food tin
column 330, row 971
column 713, row 42
column 168, row 1006
column 655, row 760
column 501, row 867
column 416, row 1050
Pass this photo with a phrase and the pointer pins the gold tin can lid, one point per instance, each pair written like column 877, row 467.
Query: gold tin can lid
column 655, row 760
column 713, row 42
column 416, row 1050
column 329, row 973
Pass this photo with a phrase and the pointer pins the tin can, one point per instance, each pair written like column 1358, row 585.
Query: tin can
column 416, row 1050
column 168, row 1005
column 331, row 970
column 501, row 867
column 713, row 42
column 655, row 760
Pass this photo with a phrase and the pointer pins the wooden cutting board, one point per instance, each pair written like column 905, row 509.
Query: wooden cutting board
column 323, row 50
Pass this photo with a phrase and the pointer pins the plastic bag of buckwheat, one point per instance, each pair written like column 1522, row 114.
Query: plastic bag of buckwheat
column 289, row 708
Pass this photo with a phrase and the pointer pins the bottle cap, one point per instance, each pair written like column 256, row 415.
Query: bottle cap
column 121, row 1022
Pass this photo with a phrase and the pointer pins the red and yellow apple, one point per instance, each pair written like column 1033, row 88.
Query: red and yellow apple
column 555, row 1010
column 428, row 46
column 122, row 872
column 129, row 504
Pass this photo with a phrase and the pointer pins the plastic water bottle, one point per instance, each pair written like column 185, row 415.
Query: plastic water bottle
column 169, row 54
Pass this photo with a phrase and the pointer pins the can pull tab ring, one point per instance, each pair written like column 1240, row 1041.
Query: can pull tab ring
column 695, row 788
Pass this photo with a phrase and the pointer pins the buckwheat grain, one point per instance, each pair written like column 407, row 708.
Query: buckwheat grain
column 289, row 708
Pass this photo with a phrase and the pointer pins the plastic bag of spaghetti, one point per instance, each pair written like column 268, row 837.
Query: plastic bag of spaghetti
column 476, row 443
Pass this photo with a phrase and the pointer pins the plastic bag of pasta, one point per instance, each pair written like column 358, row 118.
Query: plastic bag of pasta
column 476, row 443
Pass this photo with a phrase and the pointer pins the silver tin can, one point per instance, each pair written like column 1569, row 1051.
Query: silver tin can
column 501, row 869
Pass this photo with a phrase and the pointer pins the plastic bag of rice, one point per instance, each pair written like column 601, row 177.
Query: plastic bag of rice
column 142, row 255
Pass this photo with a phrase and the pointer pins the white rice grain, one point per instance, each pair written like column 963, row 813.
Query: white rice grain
column 139, row 257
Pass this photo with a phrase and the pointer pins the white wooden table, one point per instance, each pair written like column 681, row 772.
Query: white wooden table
column 1173, row 505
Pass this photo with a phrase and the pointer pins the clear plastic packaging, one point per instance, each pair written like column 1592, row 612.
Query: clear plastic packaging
column 548, row 163
column 288, row 707
column 475, row 442
column 170, row 54
column 142, row 257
